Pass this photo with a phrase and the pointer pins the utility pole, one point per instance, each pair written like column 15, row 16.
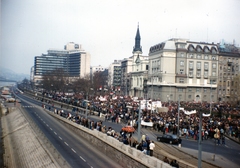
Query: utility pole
column 139, row 122
column 200, row 140
column 86, row 106
column 178, row 116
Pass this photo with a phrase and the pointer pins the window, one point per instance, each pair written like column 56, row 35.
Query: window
column 214, row 65
column 199, row 57
column 182, row 55
column 189, row 96
column 190, row 73
column 180, row 89
column 206, row 57
column 181, row 80
column 198, row 90
column 189, row 89
column 182, row 46
column 213, row 58
column 213, row 73
column 205, row 74
column 206, row 65
column 191, row 56
column 181, row 71
column 198, row 74
column 181, row 63
column 204, row 90
column 190, row 65
column 198, row 65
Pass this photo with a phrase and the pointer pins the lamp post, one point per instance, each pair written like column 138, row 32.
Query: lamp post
column 200, row 140
column 86, row 106
column 178, row 116
column 139, row 122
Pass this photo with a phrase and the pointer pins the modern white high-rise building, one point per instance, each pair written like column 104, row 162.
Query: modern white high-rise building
column 74, row 61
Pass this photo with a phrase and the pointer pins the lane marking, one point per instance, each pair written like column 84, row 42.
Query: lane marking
column 50, row 128
column 66, row 143
column 60, row 137
column 82, row 158
column 73, row 150
column 55, row 133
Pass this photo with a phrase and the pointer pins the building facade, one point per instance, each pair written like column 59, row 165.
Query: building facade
column 73, row 60
column 229, row 72
column 183, row 70
column 114, row 76
column 126, row 67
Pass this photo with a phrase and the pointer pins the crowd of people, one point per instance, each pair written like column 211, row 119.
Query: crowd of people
column 224, row 116
column 224, row 119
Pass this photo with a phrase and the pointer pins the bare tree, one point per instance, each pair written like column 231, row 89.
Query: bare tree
column 99, row 80
column 82, row 85
column 55, row 80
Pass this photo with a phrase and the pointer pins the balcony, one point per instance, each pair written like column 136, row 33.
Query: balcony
column 191, row 67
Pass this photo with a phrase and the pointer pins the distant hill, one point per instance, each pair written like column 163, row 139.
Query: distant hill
column 11, row 75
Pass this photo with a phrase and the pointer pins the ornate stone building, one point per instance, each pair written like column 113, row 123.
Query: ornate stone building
column 183, row 70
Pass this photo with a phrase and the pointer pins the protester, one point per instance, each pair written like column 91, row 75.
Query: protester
column 151, row 146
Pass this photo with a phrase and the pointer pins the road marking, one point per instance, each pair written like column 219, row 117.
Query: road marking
column 55, row 133
column 73, row 150
column 60, row 137
column 82, row 158
column 51, row 129
column 66, row 143
column 47, row 125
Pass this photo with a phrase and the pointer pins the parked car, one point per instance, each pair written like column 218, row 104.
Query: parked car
column 168, row 138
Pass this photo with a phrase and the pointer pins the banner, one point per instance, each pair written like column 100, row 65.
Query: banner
column 149, row 124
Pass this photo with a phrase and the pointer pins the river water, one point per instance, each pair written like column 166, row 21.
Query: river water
column 7, row 83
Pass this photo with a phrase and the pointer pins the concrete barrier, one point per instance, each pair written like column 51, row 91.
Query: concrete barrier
column 123, row 154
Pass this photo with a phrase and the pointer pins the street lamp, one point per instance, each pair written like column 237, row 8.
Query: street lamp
column 139, row 122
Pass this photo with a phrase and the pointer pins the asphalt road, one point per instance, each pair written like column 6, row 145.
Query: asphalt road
column 76, row 151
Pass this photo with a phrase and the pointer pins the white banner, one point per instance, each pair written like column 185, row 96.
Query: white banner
column 149, row 124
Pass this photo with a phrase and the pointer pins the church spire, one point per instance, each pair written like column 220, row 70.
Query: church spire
column 137, row 47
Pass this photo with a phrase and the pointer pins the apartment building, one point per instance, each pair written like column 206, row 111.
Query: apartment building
column 229, row 72
column 183, row 70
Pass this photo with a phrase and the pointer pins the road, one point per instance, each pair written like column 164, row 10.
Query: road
column 76, row 151
column 225, row 155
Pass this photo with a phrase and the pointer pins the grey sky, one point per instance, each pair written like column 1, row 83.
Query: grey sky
column 107, row 28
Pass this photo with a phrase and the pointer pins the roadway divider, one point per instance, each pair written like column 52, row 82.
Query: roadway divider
column 124, row 155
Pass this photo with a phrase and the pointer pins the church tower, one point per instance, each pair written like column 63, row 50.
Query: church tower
column 137, row 49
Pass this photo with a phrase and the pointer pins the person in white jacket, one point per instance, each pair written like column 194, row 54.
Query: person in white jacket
column 151, row 146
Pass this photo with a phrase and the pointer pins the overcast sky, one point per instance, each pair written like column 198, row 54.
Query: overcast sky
column 107, row 28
